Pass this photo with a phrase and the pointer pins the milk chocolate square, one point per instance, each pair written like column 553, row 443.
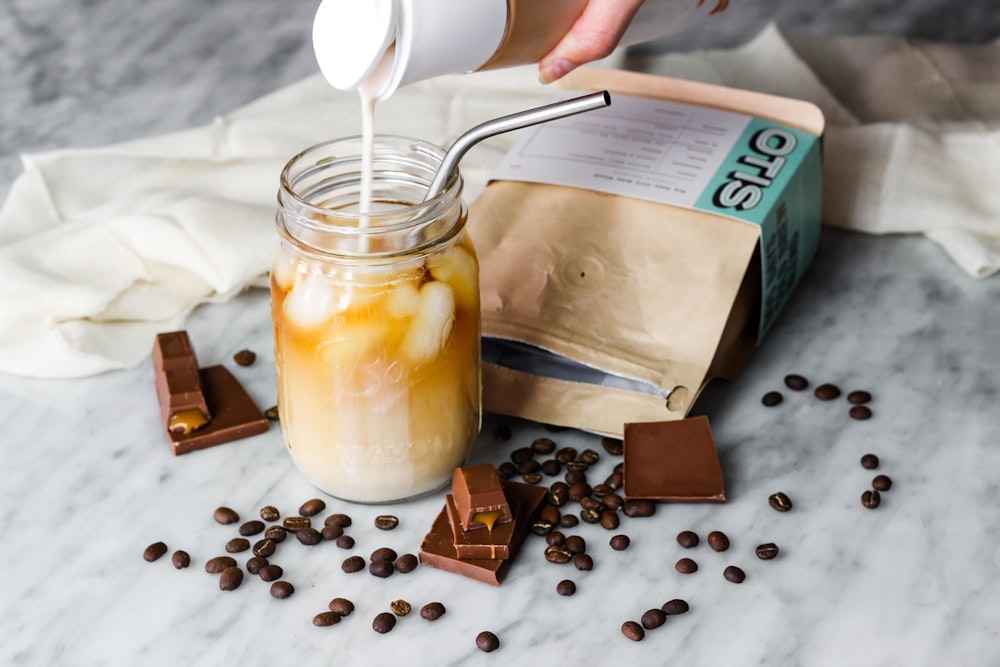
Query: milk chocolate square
column 479, row 497
column 490, row 544
column 672, row 461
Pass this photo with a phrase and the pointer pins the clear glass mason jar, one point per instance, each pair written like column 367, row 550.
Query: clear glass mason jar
column 376, row 322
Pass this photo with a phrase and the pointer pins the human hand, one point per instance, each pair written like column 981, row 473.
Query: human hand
column 594, row 35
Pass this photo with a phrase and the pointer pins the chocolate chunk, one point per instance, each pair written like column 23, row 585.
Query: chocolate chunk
column 492, row 544
column 479, row 498
column 673, row 461
column 183, row 405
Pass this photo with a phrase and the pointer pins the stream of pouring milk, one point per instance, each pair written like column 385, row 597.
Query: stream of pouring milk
column 369, row 91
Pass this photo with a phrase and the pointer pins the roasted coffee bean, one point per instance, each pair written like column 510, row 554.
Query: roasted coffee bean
column 312, row 507
column 432, row 611
column 688, row 539
column 543, row 446
column 180, row 559
column 619, row 468
column 568, row 521
column 271, row 572
column 566, row 587
column 576, row 544
column 269, row 513
column 256, row 564
column 633, row 631
column 613, row 446
column 384, row 623
column 639, row 508
column 772, row 398
column 871, row 499
column 575, row 477
column 615, row 480
column 506, row 470
column 226, row 516
column 282, row 590
column 154, row 551
column 591, row 503
column 532, row 477
column 400, row 607
column 309, row 536
column 529, row 467
column 558, row 555
column 276, row 534
column 382, row 568
column 859, row 396
column 331, row 533
column 796, row 382
column 338, row 519
column 487, row 642
column 653, row 618
column 613, row 501
column 734, row 574
column 218, row 564
column 341, row 606
column 609, row 520
column 579, row 490
column 237, row 545
column 559, row 494
column 551, row 467
column 406, row 563
column 521, row 454
column 869, row 461
column 686, row 566
column 590, row 456
column 503, row 432
column 272, row 413
column 577, row 466
column 718, row 540
column 583, row 562
column 386, row 522
column 550, row 513
column 345, row 542
column 325, row 619
column 555, row 539
column 602, row 489
column 252, row 527
column 827, row 392
column 780, row 501
column 384, row 553
column 353, row 564
column 541, row 527
column 296, row 523
column 565, row 455
column 882, row 483
column 590, row 516
column 620, row 542
column 860, row 412
column 230, row 578
column 245, row 357
column 674, row 607
column 766, row 551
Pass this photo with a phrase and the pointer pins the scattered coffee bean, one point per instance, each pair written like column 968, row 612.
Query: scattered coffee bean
column 772, row 398
column 386, row 522
column 653, row 618
column 272, row 413
column 718, row 540
column 384, row 623
column 619, row 468
column 400, row 607
column 218, row 564
column 860, row 412
column 591, row 503
column 506, row 470
column 686, row 566
column 869, row 461
column 487, row 642
column 613, row 446
column 251, row 527
column 577, row 466
column 620, row 542
column 590, row 516
column 558, row 494
column 312, row 507
column 575, row 477
column 565, row 455
column 309, row 536
column 576, row 544
column 226, row 516
column 503, row 432
column 230, row 578
column 859, row 396
column 610, row 520
column 568, row 521
column 590, row 457
column 181, row 559
column 353, row 564
column 532, row 477
column 383, row 553
column 602, row 489
column 827, row 392
column 382, row 568
column 583, row 562
column 341, row 520
column 615, row 480
column 882, row 483
column 558, row 555
column 521, row 454
column 341, row 606
column 579, row 491
column 325, row 619
column 256, row 564
column 529, row 467
column 276, row 534
column 432, row 611
column 766, row 551
column 555, row 539
column 541, row 527
column 406, row 563
column 269, row 513
column 282, row 590
column 780, row 501
column 345, row 542
column 796, row 382
column 543, row 446
column 296, row 523
column 734, row 574
column 674, row 607
column 613, row 501
column 245, row 357
column 688, row 539
column 566, row 587
column 237, row 545
column 633, row 631
column 271, row 572
column 550, row 514
column 551, row 467
column 639, row 508
column 154, row 551
column 871, row 499
column 330, row 533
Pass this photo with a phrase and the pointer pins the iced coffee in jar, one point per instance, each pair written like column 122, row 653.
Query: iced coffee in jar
column 376, row 321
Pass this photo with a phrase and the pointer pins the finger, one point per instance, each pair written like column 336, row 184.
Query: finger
column 594, row 35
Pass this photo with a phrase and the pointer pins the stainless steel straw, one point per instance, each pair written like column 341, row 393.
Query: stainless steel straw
column 514, row 121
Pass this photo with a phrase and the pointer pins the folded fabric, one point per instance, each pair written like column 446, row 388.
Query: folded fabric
column 102, row 248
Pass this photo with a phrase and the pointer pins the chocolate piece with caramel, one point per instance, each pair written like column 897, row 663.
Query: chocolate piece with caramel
column 479, row 498
column 183, row 407
column 493, row 543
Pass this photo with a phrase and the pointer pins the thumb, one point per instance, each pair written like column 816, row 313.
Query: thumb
column 594, row 35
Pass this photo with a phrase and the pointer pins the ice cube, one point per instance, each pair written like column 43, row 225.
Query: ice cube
column 311, row 301
column 431, row 325
column 283, row 269
column 353, row 343
column 459, row 269
column 403, row 301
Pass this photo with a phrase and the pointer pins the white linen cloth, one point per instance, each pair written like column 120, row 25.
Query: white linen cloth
column 102, row 248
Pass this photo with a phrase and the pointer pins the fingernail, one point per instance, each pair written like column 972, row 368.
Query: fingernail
column 555, row 69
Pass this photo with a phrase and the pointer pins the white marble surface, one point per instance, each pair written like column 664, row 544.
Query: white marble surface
column 87, row 480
